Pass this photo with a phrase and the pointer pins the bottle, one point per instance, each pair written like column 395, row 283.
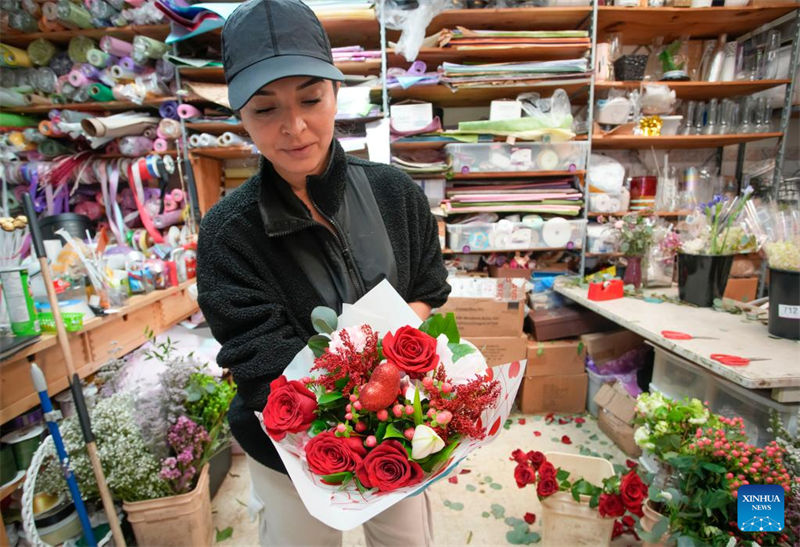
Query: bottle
column 771, row 56
column 717, row 58
column 711, row 118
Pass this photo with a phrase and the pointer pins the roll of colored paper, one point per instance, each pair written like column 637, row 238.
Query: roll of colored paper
column 160, row 145
column 100, row 9
column 115, row 46
column 7, row 119
column 74, row 14
column 194, row 140
column 48, row 128
column 23, row 21
column 78, row 47
column 119, row 72
column 186, row 111
column 61, row 64
column 35, row 98
column 98, row 58
column 41, row 51
column 50, row 12
column 78, row 78
column 14, row 56
column 146, row 47
column 169, row 110
column 150, row 133
column 207, row 139
column 9, row 97
column 135, row 146
column 230, row 139
column 100, row 93
column 129, row 64
column 169, row 129
column 51, row 148
column 32, row 7
column 165, row 70
column 44, row 79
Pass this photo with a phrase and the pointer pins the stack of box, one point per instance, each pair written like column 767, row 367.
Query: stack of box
column 615, row 417
column 489, row 313
column 555, row 380
column 603, row 347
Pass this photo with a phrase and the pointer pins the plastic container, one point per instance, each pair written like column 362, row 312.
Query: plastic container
column 502, row 157
column 568, row 522
column 505, row 235
column 784, row 303
column 8, row 465
column 601, row 202
column 595, row 381
column 59, row 524
column 73, row 223
column 24, row 443
column 670, row 124
column 677, row 378
column 599, row 238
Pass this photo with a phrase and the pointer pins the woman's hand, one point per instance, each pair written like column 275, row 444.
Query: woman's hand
column 421, row 309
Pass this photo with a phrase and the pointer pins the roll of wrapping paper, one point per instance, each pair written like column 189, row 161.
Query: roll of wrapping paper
column 50, row 25
column 78, row 47
column 150, row 133
column 160, row 145
column 14, row 56
column 169, row 129
column 135, row 146
column 45, row 80
column 112, row 148
column 148, row 47
column 169, row 110
column 8, row 119
column 32, row 134
column 19, row 142
column 120, row 73
column 32, row 7
column 165, row 70
column 51, row 148
column 194, row 141
column 207, row 139
column 61, row 63
column 130, row 65
column 35, row 98
column 49, row 128
column 23, row 22
column 100, row 9
column 74, row 14
column 115, row 46
column 78, row 78
column 9, row 97
column 40, row 51
column 186, row 111
column 117, row 125
column 229, row 139
column 100, row 93
column 99, row 58
column 50, row 12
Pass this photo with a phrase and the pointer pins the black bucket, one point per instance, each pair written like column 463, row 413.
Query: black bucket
column 75, row 224
column 784, row 303
column 702, row 278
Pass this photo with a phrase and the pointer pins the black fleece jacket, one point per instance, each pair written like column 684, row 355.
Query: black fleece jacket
column 257, row 299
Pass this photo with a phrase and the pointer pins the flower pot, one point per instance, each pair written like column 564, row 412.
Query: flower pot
column 567, row 522
column 649, row 521
column 218, row 466
column 702, row 278
column 633, row 272
column 179, row 520
column 784, row 303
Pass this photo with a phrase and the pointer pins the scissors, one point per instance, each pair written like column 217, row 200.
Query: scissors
column 677, row 335
column 734, row 360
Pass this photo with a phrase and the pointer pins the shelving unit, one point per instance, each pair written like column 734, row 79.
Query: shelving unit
column 92, row 106
column 698, row 91
column 62, row 37
column 674, row 142
column 483, row 95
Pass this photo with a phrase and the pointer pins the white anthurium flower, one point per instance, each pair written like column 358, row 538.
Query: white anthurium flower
column 465, row 369
column 410, row 387
column 425, row 442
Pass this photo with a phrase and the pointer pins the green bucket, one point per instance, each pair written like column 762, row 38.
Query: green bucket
column 24, row 442
column 8, row 465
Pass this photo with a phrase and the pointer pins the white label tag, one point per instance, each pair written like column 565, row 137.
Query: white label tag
column 505, row 110
column 788, row 312
column 411, row 117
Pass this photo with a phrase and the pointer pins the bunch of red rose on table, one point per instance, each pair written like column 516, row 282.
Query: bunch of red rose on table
column 382, row 412
column 618, row 497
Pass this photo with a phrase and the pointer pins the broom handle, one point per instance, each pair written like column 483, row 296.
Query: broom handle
column 72, row 376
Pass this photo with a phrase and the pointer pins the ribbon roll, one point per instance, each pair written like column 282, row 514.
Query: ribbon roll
column 194, row 141
column 99, row 58
column 78, row 78
column 129, row 65
column 49, row 128
column 40, row 51
column 230, row 139
column 177, row 195
column 186, row 111
column 115, row 46
column 74, row 15
column 169, row 110
column 169, row 129
column 120, row 73
column 100, row 93
column 14, row 57
column 78, row 48
column 160, row 145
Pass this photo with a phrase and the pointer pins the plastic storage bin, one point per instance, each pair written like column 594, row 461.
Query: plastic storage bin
column 506, row 235
column 502, row 157
column 677, row 378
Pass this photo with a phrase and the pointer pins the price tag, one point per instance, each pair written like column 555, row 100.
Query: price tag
column 788, row 312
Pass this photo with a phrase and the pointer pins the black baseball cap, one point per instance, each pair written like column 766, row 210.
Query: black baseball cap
column 266, row 40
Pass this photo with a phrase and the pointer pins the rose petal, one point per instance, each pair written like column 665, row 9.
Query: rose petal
column 631, row 464
column 549, row 418
column 465, row 471
column 562, row 421
column 522, row 421
column 453, row 480
column 537, row 433
column 530, row 518
column 580, row 420
column 566, row 440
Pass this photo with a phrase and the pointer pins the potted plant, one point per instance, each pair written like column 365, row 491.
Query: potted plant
column 633, row 234
column 706, row 255
column 584, row 500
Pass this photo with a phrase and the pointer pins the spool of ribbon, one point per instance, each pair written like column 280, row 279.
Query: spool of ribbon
column 160, row 145
column 650, row 126
column 169, row 129
column 135, row 146
column 229, row 139
column 149, row 48
column 129, row 65
column 207, row 140
column 138, row 173
column 119, row 72
column 169, row 110
column 150, row 132
column 40, row 51
column 14, row 56
column 99, row 58
column 186, row 111
column 78, row 78
column 115, row 46
column 75, row 15
column 61, row 63
column 100, row 93
column 194, row 140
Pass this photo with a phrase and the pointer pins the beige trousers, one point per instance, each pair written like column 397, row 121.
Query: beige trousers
column 284, row 521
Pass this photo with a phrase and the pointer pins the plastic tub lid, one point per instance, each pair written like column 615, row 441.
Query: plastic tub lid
column 22, row 434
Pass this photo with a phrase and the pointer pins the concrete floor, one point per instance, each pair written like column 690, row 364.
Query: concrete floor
column 479, row 504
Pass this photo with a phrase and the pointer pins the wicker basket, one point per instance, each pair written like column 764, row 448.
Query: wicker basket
column 630, row 67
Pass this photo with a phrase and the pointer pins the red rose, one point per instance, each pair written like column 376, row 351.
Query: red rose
column 633, row 492
column 327, row 454
column 536, row 458
column 411, row 350
column 546, row 487
column 387, row 468
column 547, row 471
column 524, row 474
column 519, row 456
column 290, row 408
column 619, row 529
column 611, row 505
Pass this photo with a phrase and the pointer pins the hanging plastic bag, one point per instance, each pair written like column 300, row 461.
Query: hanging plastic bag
column 555, row 112
column 412, row 22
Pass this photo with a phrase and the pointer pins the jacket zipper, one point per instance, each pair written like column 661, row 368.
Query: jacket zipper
column 348, row 257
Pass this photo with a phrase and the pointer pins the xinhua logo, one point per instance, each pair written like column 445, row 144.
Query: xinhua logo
column 760, row 508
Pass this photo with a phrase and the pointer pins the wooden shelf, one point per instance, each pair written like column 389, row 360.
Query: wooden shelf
column 664, row 214
column 215, row 74
column 101, row 339
column 641, row 25
column 604, row 255
column 677, row 141
column 434, row 56
column 517, row 175
column 90, row 106
column 447, row 251
column 545, row 18
column 159, row 32
column 216, row 128
column 11, row 487
column 694, row 91
column 421, row 145
column 481, row 96
column 223, row 152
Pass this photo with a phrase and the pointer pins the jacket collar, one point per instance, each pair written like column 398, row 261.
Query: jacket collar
column 283, row 212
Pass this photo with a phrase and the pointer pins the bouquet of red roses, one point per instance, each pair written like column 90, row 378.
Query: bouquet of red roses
column 374, row 408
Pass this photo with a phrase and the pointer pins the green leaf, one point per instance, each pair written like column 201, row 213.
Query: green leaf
column 361, row 488
column 338, row 478
column 562, row 475
column 460, row 350
column 620, row 469
column 318, row 344
column 575, row 494
column 418, row 419
column 328, row 398
column 594, row 501
column 580, row 348
column 381, row 431
column 393, row 433
column 438, row 324
column 324, row 319
column 539, row 350
column 713, row 467
column 222, row 535
column 317, row 427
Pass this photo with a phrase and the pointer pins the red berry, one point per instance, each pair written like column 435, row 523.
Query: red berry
column 361, row 427
column 341, row 428
column 348, row 408
column 383, row 415
column 348, row 416
column 427, row 383
column 409, row 410
column 397, row 410
column 353, row 398
column 447, row 387
column 371, row 441
column 357, row 405
column 409, row 433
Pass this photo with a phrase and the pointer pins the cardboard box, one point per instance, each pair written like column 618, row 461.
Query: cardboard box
column 557, row 323
column 605, row 346
column 562, row 393
column 559, row 357
column 616, row 409
column 741, row 289
column 505, row 271
column 486, row 317
column 499, row 350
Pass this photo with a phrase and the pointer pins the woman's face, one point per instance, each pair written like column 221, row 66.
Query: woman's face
column 291, row 122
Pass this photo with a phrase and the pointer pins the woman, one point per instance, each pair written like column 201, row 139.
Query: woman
column 313, row 227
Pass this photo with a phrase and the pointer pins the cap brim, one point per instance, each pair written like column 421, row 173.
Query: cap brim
column 259, row 74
